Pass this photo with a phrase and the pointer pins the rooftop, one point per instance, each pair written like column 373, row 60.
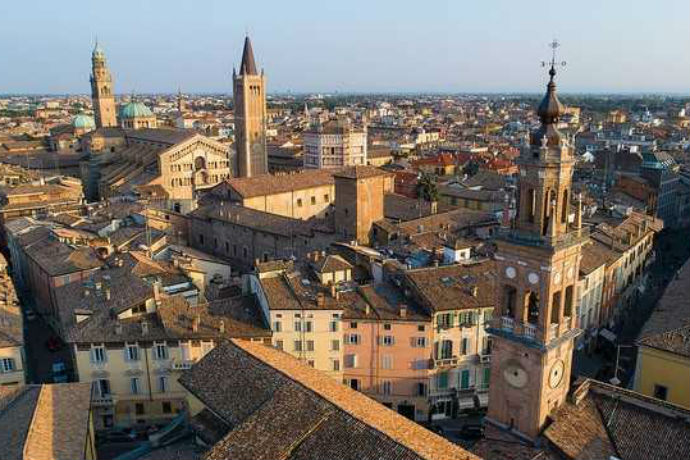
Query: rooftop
column 285, row 400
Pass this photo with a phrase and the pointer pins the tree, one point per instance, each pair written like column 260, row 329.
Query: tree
column 426, row 187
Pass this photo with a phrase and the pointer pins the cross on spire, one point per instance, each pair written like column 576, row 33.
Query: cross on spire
column 553, row 63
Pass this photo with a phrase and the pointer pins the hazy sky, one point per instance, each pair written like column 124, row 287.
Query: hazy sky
column 347, row 45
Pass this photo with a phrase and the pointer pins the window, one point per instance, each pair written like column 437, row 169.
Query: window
column 326, row 198
column 162, row 384
column 310, row 345
column 139, row 408
column 308, row 326
column 465, row 345
column 313, row 200
column 354, row 384
column 297, row 345
column 333, row 327
column 352, row 339
column 388, row 340
column 442, row 380
column 486, row 377
column 464, row 379
column 103, row 387
column 335, row 345
column 279, row 344
column 419, row 342
column 350, row 361
column 277, row 326
column 660, row 392
column 387, row 387
column 134, row 385
column 353, row 325
column 421, row 328
column 167, row 407
column 132, row 353
column 299, row 202
column 445, row 320
column 98, row 355
column 298, row 326
column 160, row 351
column 387, row 362
column 421, row 389
column 336, row 365
column 387, row 327
column 6, row 365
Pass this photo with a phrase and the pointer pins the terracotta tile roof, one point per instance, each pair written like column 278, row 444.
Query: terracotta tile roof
column 451, row 287
column 668, row 327
column 296, row 291
column 57, row 258
column 331, row 263
column 401, row 207
column 61, row 423
column 161, row 135
column 268, row 184
column 44, row 422
column 452, row 220
column 292, row 411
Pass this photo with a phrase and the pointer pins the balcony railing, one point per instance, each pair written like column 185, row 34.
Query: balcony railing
column 507, row 323
column 444, row 362
column 102, row 401
column 182, row 365
column 530, row 330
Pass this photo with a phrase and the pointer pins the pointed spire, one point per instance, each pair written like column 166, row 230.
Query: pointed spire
column 248, row 66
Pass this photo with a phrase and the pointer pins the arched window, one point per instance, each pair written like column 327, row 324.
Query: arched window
column 555, row 306
column 509, row 298
column 532, row 306
column 199, row 163
column 564, row 206
column 568, row 309
column 531, row 204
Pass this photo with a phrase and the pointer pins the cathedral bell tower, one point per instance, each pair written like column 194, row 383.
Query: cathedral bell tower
column 102, row 90
column 249, row 102
column 537, row 263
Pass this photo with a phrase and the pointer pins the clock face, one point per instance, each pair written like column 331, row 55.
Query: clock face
column 515, row 375
column 533, row 278
column 510, row 272
column 556, row 374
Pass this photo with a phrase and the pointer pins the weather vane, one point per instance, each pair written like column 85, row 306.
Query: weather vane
column 553, row 63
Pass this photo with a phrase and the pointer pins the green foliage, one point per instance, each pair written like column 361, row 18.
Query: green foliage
column 426, row 187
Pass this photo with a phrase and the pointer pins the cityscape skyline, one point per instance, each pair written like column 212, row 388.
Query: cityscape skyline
column 367, row 56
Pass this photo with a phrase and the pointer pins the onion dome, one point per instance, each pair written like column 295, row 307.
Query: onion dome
column 550, row 110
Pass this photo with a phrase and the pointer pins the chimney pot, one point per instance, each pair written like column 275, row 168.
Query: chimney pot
column 221, row 327
column 403, row 310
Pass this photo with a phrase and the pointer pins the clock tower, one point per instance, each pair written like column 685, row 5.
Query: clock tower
column 249, row 105
column 537, row 263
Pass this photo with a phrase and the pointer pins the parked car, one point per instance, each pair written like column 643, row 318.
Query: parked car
column 54, row 344
column 59, row 372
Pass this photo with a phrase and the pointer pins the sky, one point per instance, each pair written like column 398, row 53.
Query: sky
column 454, row 46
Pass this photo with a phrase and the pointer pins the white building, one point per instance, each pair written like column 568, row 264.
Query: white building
column 335, row 144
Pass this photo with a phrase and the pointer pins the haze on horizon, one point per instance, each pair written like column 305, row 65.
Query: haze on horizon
column 613, row 46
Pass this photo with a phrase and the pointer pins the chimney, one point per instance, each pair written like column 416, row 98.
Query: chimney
column 221, row 327
column 118, row 329
column 367, row 309
column 334, row 292
column 256, row 262
column 403, row 310
column 320, row 299
column 195, row 323
column 315, row 256
column 107, row 293
column 144, row 327
column 434, row 207
column 157, row 291
column 474, row 290
column 86, row 292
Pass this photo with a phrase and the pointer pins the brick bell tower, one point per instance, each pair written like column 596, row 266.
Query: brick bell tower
column 102, row 90
column 537, row 265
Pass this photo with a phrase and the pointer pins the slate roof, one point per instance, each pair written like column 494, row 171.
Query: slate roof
column 291, row 411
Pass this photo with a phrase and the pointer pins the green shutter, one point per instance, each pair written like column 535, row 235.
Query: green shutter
column 487, row 377
column 465, row 379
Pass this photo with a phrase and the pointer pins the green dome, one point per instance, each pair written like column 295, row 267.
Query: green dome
column 82, row 121
column 135, row 110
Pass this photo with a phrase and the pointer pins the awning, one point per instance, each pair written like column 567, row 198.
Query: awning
column 608, row 335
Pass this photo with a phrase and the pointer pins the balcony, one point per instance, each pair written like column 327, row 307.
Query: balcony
column 444, row 362
column 182, row 365
column 530, row 330
column 102, row 401
column 507, row 324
